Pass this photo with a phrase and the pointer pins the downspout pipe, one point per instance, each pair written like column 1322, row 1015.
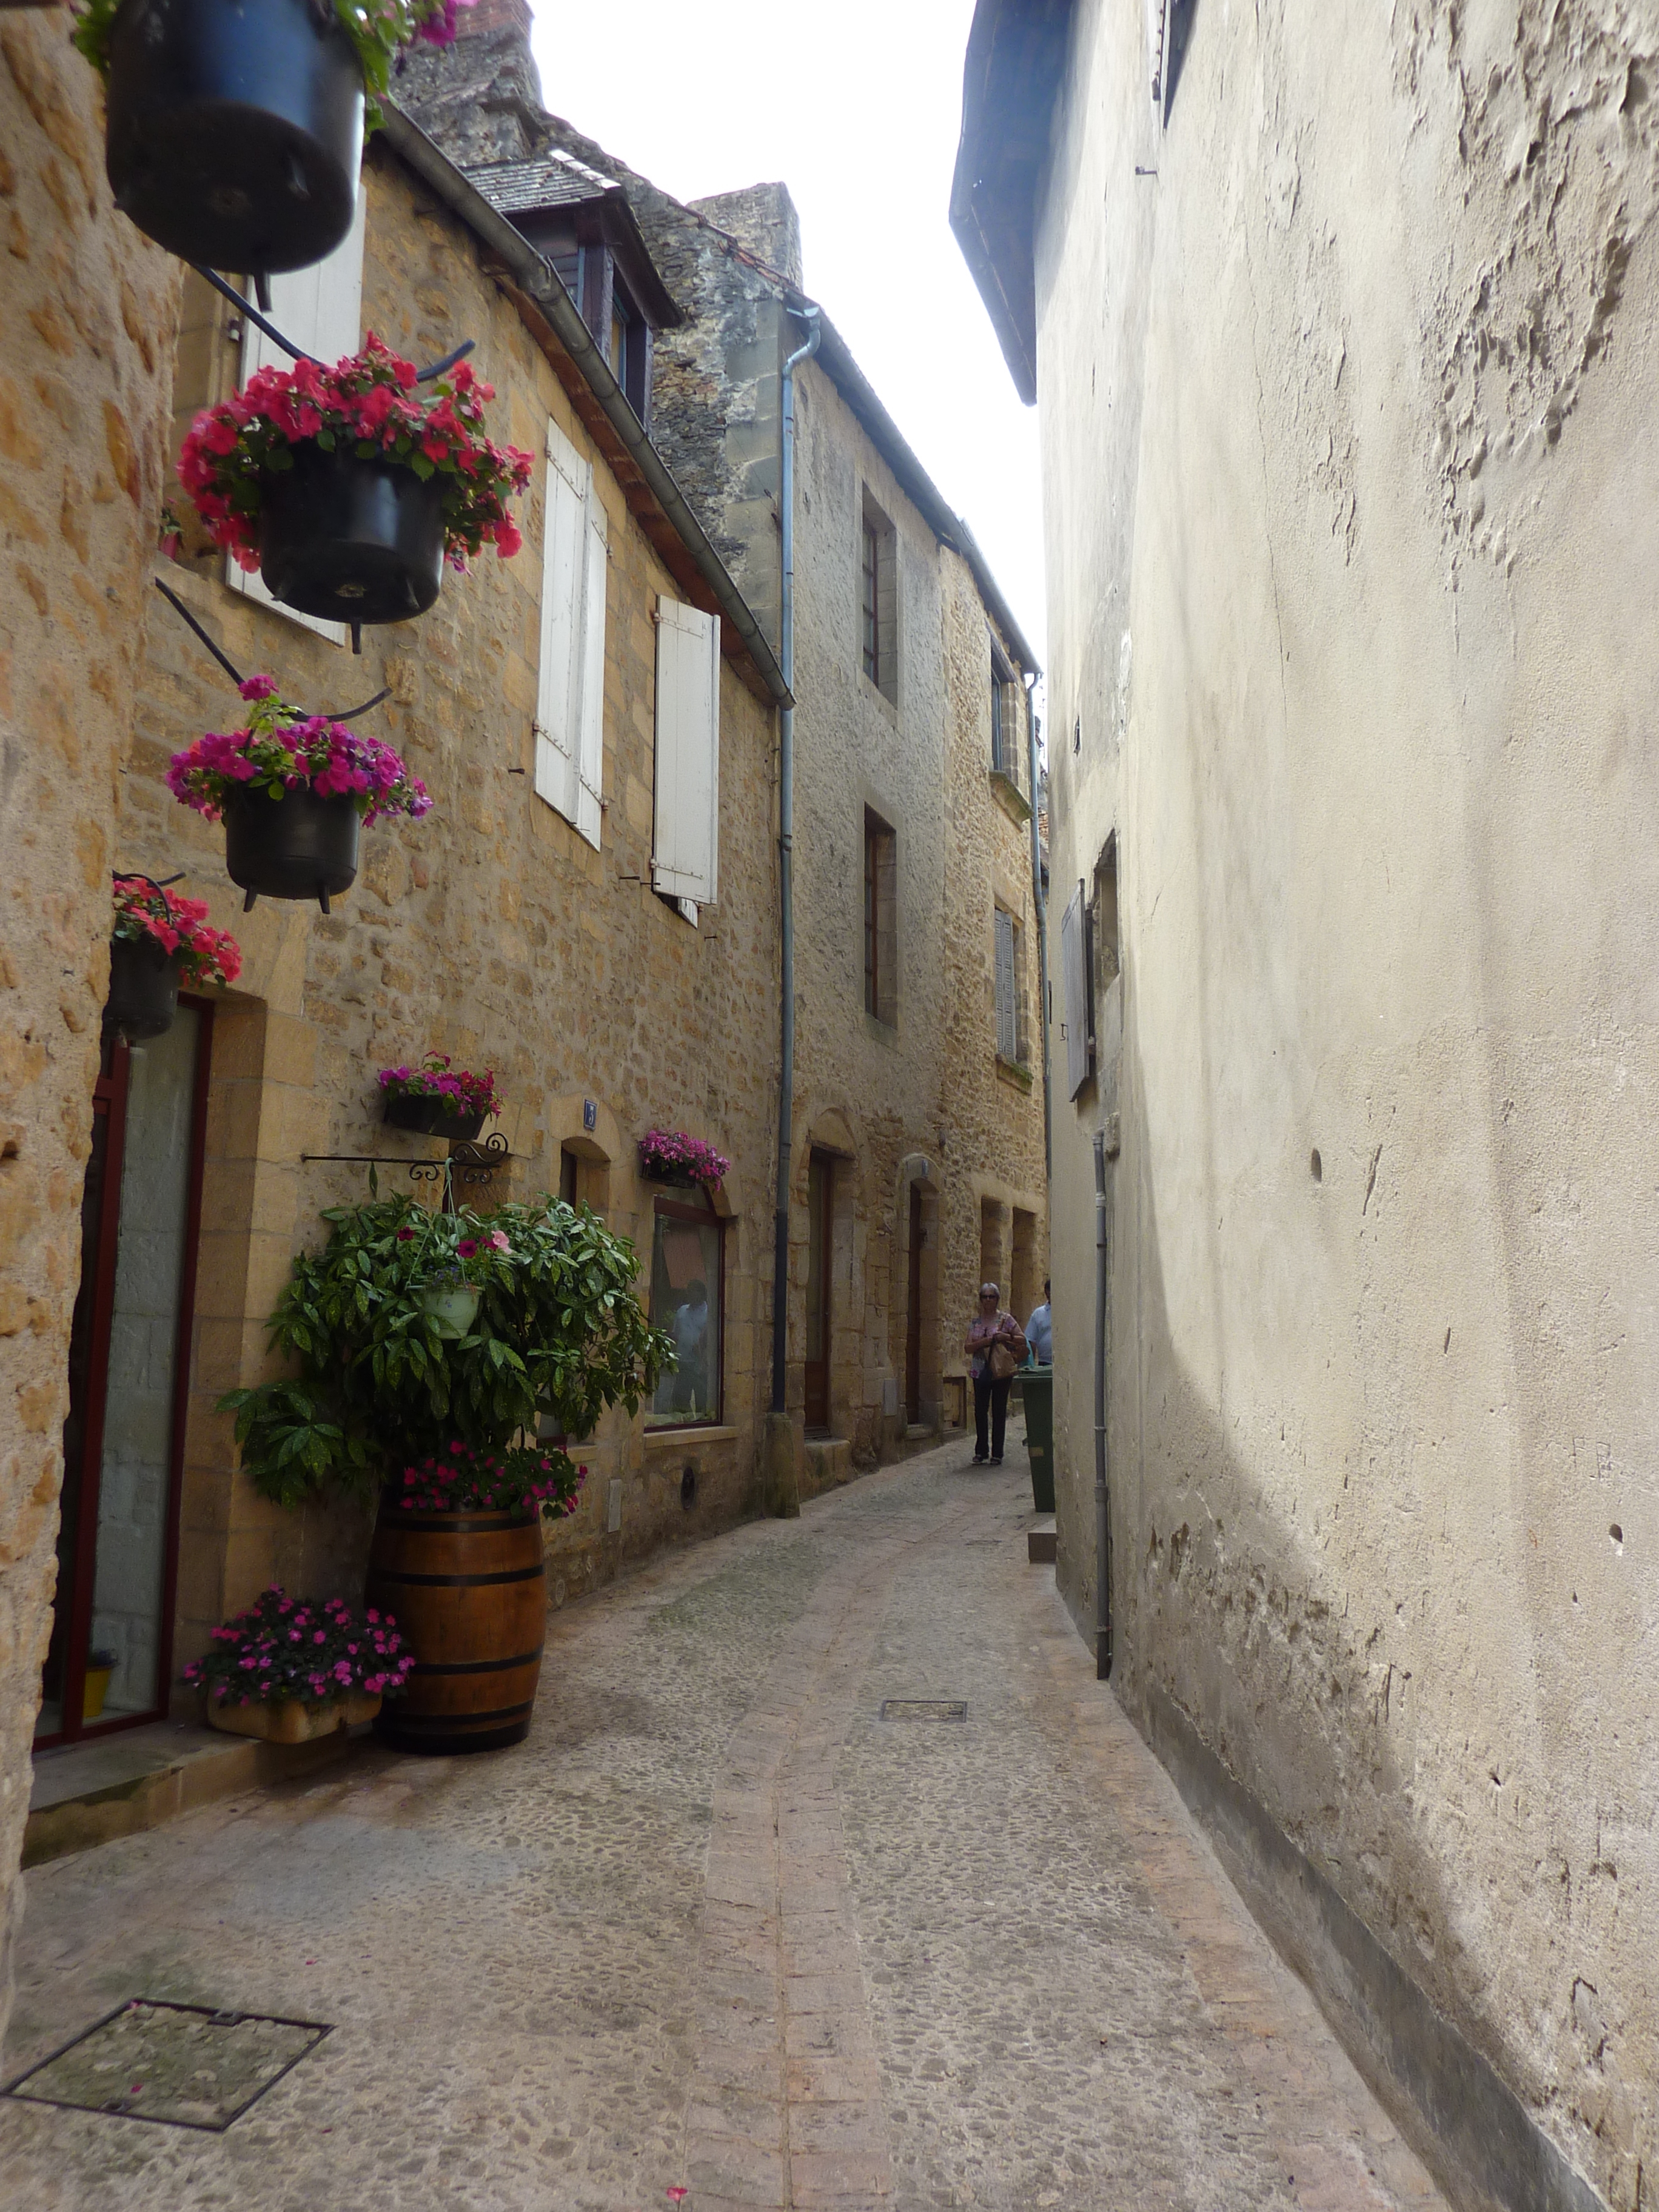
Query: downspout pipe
column 787, row 874
column 1103, row 1501
column 1041, row 908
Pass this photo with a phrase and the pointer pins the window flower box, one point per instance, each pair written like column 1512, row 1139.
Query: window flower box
column 350, row 487
column 290, row 1669
column 293, row 791
column 290, row 1720
column 235, row 132
column 669, row 1156
column 438, row 1100
column 159, row 944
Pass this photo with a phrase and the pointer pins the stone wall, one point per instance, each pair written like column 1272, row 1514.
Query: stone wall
column 490, row 930
column 84, row 389
column 1347, row 377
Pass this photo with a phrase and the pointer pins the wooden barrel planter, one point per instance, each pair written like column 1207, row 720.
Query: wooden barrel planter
column 468, row 1592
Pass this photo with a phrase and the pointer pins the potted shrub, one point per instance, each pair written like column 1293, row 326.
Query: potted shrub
column 669, row 1156
column 292, row 790
column 234, row 132
column 559, row 1336
column 346, row 487
column 458, row 1551
column 438, row 1100
column 289, row 1670
column 450, row 1269
column 159, row 944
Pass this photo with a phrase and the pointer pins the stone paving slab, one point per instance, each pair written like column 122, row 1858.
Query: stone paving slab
column 718, row 1927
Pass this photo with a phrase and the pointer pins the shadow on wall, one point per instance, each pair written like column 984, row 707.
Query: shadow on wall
column 1218, row 1627
column 1176, row 38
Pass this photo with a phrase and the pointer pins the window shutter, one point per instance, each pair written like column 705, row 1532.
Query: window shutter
column 687, row 844
column 320, row 310
column 1007, row 1013
column 1074, row 994
column 590, row 755
column 561, row 666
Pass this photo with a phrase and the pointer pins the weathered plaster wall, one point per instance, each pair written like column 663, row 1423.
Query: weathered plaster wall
column 83, row 399
column 1352, row 528
column 490, row 931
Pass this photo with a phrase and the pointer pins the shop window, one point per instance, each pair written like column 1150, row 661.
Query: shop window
column 688, row 1271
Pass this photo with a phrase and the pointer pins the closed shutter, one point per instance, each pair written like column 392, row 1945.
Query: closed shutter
column 686, row 858
column 1007, row 1005
column 319, row 310
column 1074, row 993
column 570, row 673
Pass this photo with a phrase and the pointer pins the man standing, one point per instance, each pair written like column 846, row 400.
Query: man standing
column 1040, row 1332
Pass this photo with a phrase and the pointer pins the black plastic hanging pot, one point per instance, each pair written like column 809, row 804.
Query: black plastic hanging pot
column 432, row 1117
column 235, row 129
column 301, row 846
column 143, row 988
column 350, row 540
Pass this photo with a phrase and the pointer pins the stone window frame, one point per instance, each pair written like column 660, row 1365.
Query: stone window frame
column 706, row 1215
column 878, row 598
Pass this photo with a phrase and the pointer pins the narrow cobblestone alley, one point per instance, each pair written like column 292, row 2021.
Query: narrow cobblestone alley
column 720, row 1927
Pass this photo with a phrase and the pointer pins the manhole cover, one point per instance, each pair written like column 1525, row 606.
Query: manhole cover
column 185, row 2065
column 924, row 1709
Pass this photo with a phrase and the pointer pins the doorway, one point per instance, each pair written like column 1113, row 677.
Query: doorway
column 820, row 1252
column 913, row 1316
column 109, row 1658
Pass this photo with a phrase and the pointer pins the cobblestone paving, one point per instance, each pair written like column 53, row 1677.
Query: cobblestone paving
column 718, row 1927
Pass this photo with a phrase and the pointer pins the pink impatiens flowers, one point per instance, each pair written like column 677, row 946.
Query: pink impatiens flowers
column 282, row 749
column 179, row 925
column 672, row 1151
column 435, row 1078
column 368, row 405
column 284, row 1647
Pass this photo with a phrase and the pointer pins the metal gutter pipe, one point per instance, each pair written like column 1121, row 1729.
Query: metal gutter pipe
column 1042, row 907
column 537, row 276
column 786, row 872
column 1102, row 1502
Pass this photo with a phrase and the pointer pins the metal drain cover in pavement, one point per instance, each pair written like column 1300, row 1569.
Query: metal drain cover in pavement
column 924, row 1709
column 185, row 2065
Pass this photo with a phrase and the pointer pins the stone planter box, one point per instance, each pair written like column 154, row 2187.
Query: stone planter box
column 287, row 1721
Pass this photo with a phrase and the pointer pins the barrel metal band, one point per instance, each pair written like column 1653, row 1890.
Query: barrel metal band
column 476, row 1666
column 457, row 1582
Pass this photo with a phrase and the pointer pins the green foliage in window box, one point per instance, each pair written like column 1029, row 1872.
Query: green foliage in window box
column 559, row 1331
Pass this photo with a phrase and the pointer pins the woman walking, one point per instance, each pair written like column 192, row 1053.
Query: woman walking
column 995, row 1344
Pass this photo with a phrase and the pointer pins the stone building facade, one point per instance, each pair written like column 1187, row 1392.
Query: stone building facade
column 85, row 371
column 1344, row 325
column 917, row 1165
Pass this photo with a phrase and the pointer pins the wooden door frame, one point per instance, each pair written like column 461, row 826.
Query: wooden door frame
column 913, row 1311
column 109, row 1092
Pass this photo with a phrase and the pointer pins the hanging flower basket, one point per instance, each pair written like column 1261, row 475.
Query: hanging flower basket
column 669, row 1156
column 437, row 1100
column 158, row 943
column 293, row 791
column 235, row 127
column 348, row 486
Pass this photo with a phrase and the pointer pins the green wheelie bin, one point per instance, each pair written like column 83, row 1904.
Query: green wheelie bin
column 1037, row 1390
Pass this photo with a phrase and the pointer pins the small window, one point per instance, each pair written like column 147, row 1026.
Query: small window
column 880, row 919
column 688, row 1267
column 1010, row 994
column 1005, row 717
column 878, row 601
column 568, row 1172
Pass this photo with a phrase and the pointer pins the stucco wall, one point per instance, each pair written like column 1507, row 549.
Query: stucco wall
column 490, row 930
column 1347, row 427
column 84, row 396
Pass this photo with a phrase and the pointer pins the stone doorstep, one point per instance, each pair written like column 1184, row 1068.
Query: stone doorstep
column 1041, row 1544
column 119, row 1785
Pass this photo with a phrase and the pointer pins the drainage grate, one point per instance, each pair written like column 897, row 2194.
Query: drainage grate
column 184, row 2065
column 924, row 1709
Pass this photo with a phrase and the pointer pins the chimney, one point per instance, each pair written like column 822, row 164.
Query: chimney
column 489, row 15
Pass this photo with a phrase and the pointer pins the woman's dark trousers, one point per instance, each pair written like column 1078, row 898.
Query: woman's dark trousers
column 988, row 1392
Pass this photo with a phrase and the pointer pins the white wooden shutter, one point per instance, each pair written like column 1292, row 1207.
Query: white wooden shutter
column 1007, row 1015
column 560, row 670
column 1074, row 993
column 686, row 859
column 589, row 752
column 319, row 309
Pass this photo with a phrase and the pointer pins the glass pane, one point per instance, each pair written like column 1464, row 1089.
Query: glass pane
column 134, row 1475
column 685, row 1281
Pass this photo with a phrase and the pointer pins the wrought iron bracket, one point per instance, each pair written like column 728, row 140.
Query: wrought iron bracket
column 468, row 1163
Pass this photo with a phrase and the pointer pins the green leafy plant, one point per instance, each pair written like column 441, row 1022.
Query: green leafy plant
column 559, row 1337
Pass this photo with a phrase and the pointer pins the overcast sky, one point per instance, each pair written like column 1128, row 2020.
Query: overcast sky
column 857, row 109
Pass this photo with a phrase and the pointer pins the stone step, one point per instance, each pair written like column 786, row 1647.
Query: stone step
column 1041, row 1544
column 119, row 1785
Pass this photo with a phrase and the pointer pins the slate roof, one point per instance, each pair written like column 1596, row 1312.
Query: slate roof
column 552, row 180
